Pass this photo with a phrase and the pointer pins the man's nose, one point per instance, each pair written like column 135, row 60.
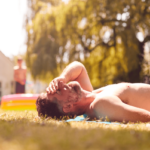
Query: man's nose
column 67, row 87
column 62, row 85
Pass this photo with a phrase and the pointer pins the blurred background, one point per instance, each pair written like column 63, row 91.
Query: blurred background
column 111, row 38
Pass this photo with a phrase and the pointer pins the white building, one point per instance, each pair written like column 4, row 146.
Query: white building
column 6, row 75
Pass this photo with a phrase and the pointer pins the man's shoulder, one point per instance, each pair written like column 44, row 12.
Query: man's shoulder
column 16, row 67
column 24, row 67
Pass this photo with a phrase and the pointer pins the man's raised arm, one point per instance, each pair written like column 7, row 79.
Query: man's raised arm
column 73, row 72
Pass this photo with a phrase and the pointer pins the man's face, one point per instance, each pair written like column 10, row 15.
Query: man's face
column 66, row 93
column 19, row 61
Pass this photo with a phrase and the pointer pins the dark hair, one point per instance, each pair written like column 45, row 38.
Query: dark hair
column 47, row 108
column 19, row 58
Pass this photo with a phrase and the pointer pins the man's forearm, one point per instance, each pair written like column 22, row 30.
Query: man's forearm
column 72, row 71
column 77, row 72
column 16, row 79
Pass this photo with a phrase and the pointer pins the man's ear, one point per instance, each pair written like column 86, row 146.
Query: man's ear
column 67, row 108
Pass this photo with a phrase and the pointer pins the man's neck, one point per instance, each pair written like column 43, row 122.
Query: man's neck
column 84, row 105
column 19, row 66
column 89, row 99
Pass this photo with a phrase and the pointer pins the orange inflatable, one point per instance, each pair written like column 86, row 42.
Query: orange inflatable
column 19, row 102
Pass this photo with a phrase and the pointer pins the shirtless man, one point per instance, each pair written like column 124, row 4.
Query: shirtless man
column 119, row 102
column 20, row 76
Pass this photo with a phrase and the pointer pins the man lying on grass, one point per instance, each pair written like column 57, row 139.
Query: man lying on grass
column 119, row 102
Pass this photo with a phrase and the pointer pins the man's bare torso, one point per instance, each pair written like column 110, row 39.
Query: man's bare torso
column 137, row 94
column 20, row 74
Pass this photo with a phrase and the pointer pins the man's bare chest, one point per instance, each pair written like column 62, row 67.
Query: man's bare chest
column 120, row 90
column 20, row 73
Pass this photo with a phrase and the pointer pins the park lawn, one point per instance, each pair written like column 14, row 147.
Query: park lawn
column 23, row 130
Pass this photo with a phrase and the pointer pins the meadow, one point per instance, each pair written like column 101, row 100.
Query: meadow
column 23, row 130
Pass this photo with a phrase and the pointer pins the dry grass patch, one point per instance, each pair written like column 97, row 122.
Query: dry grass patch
column 23, row 130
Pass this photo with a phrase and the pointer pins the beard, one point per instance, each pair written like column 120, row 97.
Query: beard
column 75, row 93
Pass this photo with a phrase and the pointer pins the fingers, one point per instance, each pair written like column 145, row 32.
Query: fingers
column 48, row 90
column 61, row 85
column 52, row 88
column 54, row 85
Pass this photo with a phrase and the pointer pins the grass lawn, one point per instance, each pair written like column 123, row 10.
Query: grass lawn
column 22, row 130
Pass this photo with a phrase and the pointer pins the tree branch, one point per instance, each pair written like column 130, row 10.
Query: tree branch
column 147, row 38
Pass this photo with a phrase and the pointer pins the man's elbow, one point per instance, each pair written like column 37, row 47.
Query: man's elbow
column 77, row 63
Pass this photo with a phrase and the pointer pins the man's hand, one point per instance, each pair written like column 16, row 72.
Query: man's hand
column 22, row 82
column 53, row 86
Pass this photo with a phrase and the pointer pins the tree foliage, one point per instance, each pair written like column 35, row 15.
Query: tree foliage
column 42, row 46
column 103, row 34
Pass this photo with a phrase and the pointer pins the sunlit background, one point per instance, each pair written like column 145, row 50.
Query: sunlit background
column 108, row 41
column 13, row 39
column 12, row 26
column 12, row 30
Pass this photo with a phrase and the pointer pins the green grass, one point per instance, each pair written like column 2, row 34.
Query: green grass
column 23, row 130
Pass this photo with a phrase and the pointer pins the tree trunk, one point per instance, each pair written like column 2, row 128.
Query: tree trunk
column 135, row 75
